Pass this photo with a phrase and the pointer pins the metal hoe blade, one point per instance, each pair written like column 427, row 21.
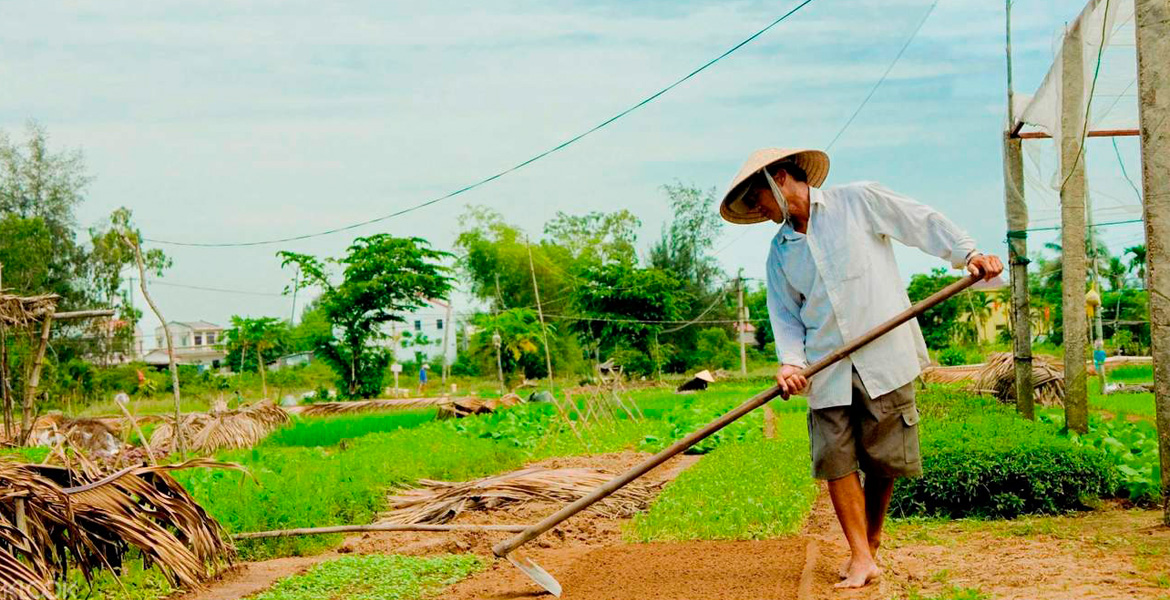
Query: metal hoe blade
column 536, row 573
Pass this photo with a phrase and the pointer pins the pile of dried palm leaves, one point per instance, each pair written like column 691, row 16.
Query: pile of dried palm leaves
column 20, row 311
column 441, row 501
column 325, row 409
column 952, row 374
column 208, row 432
column 466, row 407
column 998, row 378
column 52, row 518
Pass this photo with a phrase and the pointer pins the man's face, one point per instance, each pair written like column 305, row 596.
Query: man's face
column 760, row 195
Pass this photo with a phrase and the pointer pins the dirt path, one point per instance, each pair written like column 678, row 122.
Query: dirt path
column 246, row 579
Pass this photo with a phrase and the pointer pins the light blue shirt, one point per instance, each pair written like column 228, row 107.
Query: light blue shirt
column 840, row 279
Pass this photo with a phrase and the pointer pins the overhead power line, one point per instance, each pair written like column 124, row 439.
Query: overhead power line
column 511, row 169
column 882, row 79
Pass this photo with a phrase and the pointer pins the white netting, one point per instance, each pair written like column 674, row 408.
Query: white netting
column 1106, row 29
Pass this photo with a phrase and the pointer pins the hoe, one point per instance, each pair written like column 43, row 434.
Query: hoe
column 507, row 548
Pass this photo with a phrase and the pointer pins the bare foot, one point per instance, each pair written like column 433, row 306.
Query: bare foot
column 859, row 576
column 843, row 571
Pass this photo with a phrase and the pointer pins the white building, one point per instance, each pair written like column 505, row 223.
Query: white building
column 196, row 343
column 423, row 332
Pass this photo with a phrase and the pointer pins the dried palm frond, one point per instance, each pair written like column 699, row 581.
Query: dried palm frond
column 442, row 501
column 20, row 311
column 323, row 409
column 953, row 374
column 998, row 378
column 465, row 407
column 208, row 432
column 73, row 517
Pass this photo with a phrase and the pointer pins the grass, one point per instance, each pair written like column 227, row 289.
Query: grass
column 751, row 489
column 375, row 577
column 313, row 486
column 329, row 431
column 1131, row 373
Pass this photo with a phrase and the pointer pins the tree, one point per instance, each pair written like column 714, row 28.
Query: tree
column 1137, row 264
column 938, row 322
column 622, row 305
column 596, row 238
column 520, row 340
column 382, row 277
column 495, row 263
column 39, row 191
column 266, row 337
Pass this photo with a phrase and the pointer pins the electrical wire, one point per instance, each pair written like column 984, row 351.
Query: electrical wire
column 882, row 79
column 1137, row 192
column 516, row 167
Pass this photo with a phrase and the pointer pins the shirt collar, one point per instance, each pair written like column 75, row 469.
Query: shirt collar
column 815, row 196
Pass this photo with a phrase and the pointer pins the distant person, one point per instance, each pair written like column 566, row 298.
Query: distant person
column 831, row 276
column 422, row 379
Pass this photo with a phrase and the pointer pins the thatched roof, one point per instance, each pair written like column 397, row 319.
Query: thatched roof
column 20, row 311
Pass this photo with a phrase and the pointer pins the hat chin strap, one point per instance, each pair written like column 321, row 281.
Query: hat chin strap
column 780, row 199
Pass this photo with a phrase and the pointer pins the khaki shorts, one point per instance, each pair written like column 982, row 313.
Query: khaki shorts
column 878, row 436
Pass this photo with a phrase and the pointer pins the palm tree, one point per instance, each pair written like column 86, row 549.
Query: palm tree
column 1137, row 264
column 978, row 311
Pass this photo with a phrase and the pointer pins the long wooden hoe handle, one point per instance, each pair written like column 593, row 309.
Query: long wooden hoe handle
column 507, row 546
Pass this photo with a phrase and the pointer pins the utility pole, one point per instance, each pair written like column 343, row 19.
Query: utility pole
column 540, row 313
column 1072, row 231
column 742, row 325
column 292, row 320
column 446, row 343
column 1016, row 209
column 1153, row 56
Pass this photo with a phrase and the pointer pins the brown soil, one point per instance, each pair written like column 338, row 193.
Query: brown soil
column 1111, row 553
column 246, row 579
column 585, row 529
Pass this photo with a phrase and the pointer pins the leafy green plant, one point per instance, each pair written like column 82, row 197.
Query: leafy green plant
column 375, row 577
column 996, row 465
column 1133, row 447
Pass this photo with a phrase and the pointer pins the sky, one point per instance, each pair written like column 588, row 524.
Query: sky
column 233, row 122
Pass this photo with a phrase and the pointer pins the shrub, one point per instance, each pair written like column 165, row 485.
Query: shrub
column 1000, row 466
column 714, row 349
column 952, row 356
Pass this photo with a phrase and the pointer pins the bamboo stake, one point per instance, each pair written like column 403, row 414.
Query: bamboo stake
column 34, row 379
column 137, row 429
column 540, row 313
column 133, row 242
column 252, row 535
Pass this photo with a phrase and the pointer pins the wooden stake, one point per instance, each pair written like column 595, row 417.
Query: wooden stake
column 1016, row 210
column 1153, row 57
column 1072, row 213
column 540, row 313
column 34, row 380
column 376, row 527
column 133, row 242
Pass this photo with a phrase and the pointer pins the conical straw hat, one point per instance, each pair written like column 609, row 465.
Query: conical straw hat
column 814, row 162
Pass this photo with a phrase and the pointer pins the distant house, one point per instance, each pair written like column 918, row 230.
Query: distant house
column 196, row 343
column 422, row 332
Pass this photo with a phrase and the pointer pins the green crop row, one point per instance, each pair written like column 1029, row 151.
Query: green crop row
column 375, row 577
column 750, row 489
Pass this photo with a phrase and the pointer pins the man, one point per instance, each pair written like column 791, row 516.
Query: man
column 832, row 277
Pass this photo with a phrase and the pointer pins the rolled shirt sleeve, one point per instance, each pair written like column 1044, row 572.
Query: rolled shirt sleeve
column 914, row 224
column 783, row 313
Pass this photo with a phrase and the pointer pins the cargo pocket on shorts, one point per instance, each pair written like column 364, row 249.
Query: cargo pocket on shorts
column 910, row 435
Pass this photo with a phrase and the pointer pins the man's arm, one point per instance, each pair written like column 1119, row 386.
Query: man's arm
column 916, row 224
column 787, row 329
